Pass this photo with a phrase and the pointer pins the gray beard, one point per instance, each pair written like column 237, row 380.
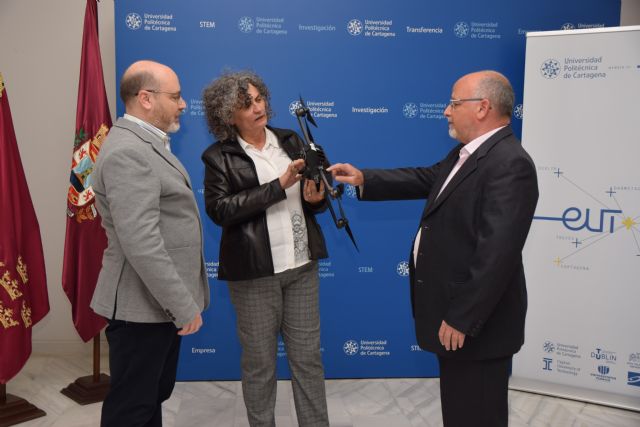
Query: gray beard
column 173, row 127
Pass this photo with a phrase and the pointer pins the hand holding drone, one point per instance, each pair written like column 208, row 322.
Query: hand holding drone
column 314, row 170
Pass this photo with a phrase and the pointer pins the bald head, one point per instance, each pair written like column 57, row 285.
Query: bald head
column 495, row 87
column 480, row 102
column 143, row 75
column 151, row 92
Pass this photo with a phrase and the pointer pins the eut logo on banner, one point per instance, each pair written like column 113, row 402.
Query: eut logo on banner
column 571, row 218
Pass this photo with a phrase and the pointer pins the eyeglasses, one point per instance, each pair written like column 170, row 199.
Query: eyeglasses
column 453, row 103
column 174, row 96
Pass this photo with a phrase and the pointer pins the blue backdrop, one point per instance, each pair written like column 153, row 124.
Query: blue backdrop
column 377, row 77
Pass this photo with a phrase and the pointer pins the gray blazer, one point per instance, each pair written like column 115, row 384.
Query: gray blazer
column 153, row 268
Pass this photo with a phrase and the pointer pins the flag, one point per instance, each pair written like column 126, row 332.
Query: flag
column 23, row 281
column 85, row 239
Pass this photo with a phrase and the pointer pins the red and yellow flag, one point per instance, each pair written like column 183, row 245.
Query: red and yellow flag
column 23, row 281
column 85, row 239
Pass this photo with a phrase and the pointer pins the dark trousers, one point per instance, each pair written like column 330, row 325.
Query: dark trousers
column 474, row 392
column 143, row 359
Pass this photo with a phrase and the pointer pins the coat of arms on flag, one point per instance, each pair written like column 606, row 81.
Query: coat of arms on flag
column 80, row 195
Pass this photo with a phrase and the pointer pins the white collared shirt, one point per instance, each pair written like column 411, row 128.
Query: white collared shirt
column 285, row 220
column 469, row 148
column 164, row 137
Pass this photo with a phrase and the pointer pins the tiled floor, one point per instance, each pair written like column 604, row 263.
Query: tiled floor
column 352, row 403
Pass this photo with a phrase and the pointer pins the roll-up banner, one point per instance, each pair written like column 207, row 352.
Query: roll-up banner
column 582, row 126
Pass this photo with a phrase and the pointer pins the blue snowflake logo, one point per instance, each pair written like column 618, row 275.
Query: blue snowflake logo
column 350, row 191
column 350, row 348
column 354, row 27
column 245, row 24
column 518, row 112
column 568, row 26
column 410, row 110
column 293, row 107
column 133, row 21
column 403, row 268
column 550, row 69
column 548, row 347
column 461, row 29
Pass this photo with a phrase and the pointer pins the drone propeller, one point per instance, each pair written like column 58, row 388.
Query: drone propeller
column 308, row 115
column 314, row 159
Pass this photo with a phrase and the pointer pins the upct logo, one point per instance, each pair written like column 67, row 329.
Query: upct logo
column 461, row 29
column 403, row 268
column 550, row 69
column 518, row 112
column 548, row 347
column 410, row 110
column 245, row 24
column 133, row 21
column 350, row 348
column 350, row 191
column 568, row 26
column 354, row 27
column 293, row 107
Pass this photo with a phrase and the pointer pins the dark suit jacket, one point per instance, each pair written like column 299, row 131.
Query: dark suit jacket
column 469, row 268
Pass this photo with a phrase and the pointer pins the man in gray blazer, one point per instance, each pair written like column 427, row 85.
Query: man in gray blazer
column 153, row 285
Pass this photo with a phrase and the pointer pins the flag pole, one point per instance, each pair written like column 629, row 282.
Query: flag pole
column 85, row 239
column 91, row 388
column 96, row 358
column 15, row 410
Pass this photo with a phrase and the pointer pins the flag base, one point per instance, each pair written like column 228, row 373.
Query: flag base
column 15, row 410
column 86, row 390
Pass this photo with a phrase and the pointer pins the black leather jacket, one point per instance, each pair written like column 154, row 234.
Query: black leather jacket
column 236, row 201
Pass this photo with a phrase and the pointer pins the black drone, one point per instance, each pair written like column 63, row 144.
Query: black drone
column 315, row 159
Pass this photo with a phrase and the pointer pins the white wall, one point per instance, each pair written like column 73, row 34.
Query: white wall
column 40, row 60
column 630, row 13
column 40, row 44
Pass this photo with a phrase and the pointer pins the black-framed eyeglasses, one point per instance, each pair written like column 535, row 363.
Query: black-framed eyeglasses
column 453, row 103
column 174, row 96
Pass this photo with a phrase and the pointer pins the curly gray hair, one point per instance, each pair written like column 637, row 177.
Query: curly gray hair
column 225, row 95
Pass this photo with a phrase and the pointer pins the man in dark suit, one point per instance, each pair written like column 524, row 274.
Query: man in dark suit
column 468, row 290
